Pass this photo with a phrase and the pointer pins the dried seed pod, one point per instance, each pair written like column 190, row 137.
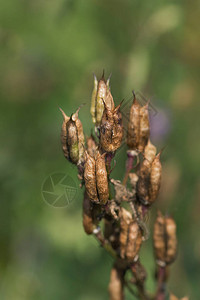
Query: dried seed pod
column 165, row 242
column 90, row 177
column 101, row 178
column 88, row 219
column 144, row 182
column 134, row 241
column 155, row 178
column 130, row 236
column 170, row 230
column 100, row 92
column 150, row 151
column 91, row 146
column 93, row 100
column 64, row 135
column 109, row 99
column 133, row 133
column 111, row 129
column 116, row 284
column 72, row 138
column 144, row 127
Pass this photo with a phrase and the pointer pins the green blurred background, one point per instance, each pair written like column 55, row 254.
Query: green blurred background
column 49, row 50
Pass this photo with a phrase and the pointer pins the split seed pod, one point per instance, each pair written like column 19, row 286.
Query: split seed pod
column 149, row 179
column 96, row 178
column 72, row 138
column 101, row 91
column 116, row 284
column 144, row 127
column 155, row 178
column 102, row 178
column 130, row 236
column 89, row 222
column 90, row 177
column 133, row 133
column 165, row 241
column 111, row 129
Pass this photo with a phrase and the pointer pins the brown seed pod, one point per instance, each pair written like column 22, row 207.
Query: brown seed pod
column 100, row 92
column 111, row 129
column 64, row 135
column 109, row 100
column 144, row 127
column 102, row 178
column 72, row 138
column 90, row 177
column 130, row 236
column 144, row 182
column 150, row 151
column 133, row 133
column 170, row 226
column 165, row 242
column 88, row 219
column 134, row 241
column 91, row 146
column 155, row 178
column 116, row 284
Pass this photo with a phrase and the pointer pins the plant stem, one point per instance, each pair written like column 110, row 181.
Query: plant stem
column 161, row 275
column 131, row 155
column 104, row 243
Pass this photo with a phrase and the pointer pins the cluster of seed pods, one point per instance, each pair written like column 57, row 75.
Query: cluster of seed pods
column 122, row 213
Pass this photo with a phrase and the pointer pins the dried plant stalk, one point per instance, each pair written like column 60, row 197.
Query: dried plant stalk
column 123, row 214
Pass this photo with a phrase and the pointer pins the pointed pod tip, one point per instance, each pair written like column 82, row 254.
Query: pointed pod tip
column 74, row 116
column 134, row 95
column 117, row 108
column 66, row 118
column 95, row 79
column 108, row 80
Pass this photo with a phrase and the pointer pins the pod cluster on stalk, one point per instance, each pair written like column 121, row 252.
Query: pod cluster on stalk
column 120, row 207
